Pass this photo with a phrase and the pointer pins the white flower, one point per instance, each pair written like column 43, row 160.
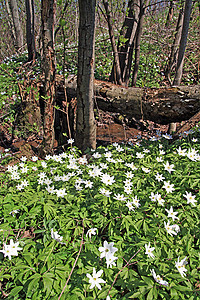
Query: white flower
column 139, row 155
column 104, row 192
column 61, row 193
column 172, row 214
column 129, row 174
column 168, row 167
column 181, row 152
column 43, row 164
column 153, row 197
column 70, row 141
column 136, row 201
column 107, row 179
column 119, row 197
column 172, row 229
column 94, row 280
column 159, row 199
column 34, row 158
column 91, row 231
column 180, row 265
column 23, row 158
column 190, row 198
column 110, row 259
column 9, row 250
column 158, row 279
column 149, row 250
column 129, row 205
column 13, row 212
column 168, row 187
column 56, row 236
column 159, row 177
column 159, row 159
column 146, row 170
column 106, row 249
column 167, row 136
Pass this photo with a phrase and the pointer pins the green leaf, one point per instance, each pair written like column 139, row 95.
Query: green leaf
column 15, row 290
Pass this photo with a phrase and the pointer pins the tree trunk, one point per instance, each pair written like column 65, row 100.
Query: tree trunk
column 160, row 105
column 85, row 123
column 17, row 25
column 30, row 29
column 183, row 42
column 48, row 8
column 170, row 13
column 143, row 7
column 125, row 50
column 117, row 77
column 174, row 50
column 10, row 21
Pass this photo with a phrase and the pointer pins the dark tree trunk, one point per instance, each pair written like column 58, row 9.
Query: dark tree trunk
column 117, row 75
column 48, row 8
column 128, row 32
column 143, row 7
column 174, row 50
column 30, row 29
column 170, row 13
column 183, row 42
column 17, row 25
column 85, row 122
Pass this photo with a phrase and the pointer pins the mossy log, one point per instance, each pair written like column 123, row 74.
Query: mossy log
column 161, row 105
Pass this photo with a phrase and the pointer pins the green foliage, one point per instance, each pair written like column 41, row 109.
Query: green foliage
column 58, row 213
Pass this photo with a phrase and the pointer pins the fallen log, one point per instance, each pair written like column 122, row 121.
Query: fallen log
column 160, row 105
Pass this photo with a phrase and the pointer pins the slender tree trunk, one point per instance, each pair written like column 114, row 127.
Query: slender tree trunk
column 183, row 42
column 10, row 21
column 85, row 121
column 143, row 7
column 174, row 50
column 30, row 29
column 117, row 71
column 128, row 32
column 48, row 8
column 17, row 24
column 170, row 13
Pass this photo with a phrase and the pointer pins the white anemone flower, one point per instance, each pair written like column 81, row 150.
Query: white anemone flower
column 91, row 231
column 149, row 250
column 158, row 279
column 180, row 265
column 95, row 279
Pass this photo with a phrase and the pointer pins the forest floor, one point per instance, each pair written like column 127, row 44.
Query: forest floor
column 109, row 130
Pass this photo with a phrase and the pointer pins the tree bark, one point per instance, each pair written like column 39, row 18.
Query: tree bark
column 170, row 13
column 143, row 7
column 85, row 136
column 30, row 29
column 48, row 8
column 17, row 24
column 174, row 50
column 161, row 105
column 117, row 77
column 125, row 50
column 183, row 42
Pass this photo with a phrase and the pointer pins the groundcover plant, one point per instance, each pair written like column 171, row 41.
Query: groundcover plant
column 121, row 222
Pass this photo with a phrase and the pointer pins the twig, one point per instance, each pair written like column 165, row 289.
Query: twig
column 82, row 242
column 122, row 270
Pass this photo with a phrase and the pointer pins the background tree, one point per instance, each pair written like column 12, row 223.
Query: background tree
column 19, row 40
column 172, row 61
column 85, row 121
column 143, row 8
column 183, row 42
column 30, row 29
column 48, row 9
